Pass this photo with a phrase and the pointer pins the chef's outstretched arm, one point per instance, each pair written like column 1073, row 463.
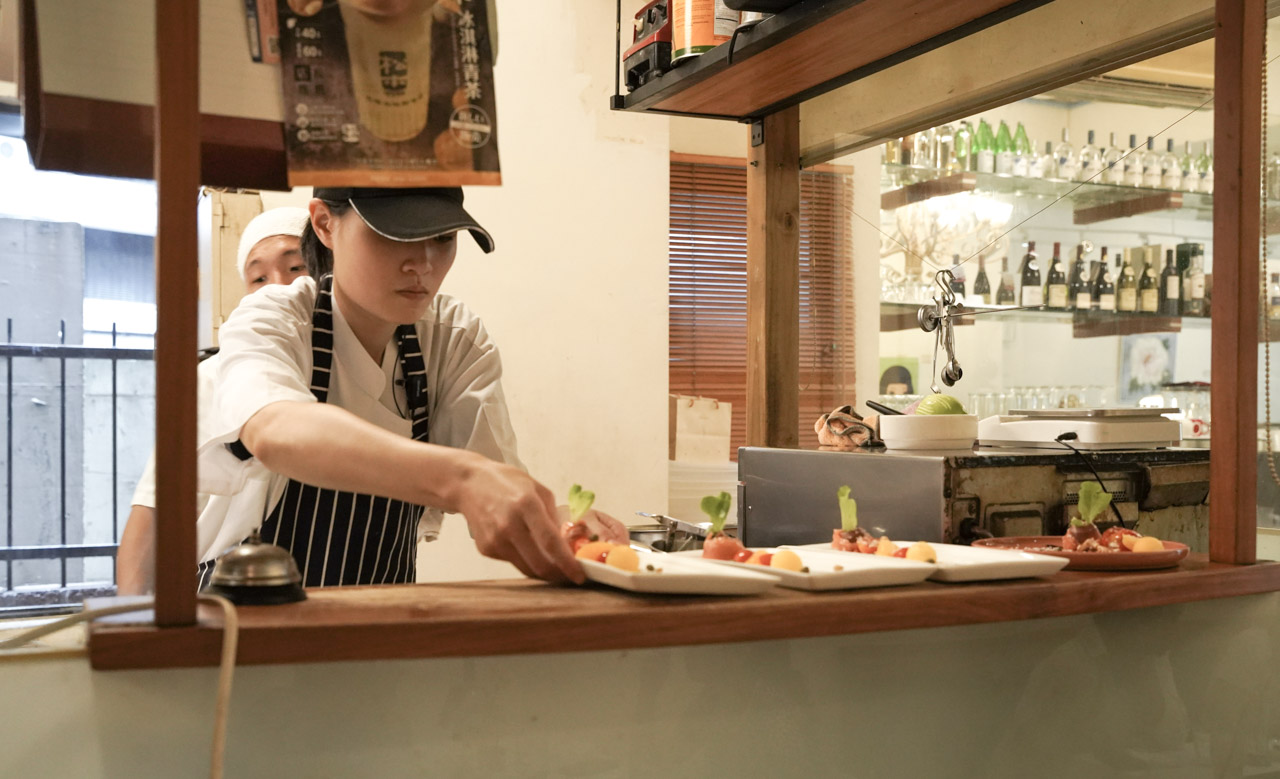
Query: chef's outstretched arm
column 511, row 516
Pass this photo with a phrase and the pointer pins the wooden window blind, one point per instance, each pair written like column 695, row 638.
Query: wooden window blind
column 708, row 288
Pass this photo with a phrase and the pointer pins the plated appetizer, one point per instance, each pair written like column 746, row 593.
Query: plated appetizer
column 718, row 544
column 851, row 538
column 1083, row 535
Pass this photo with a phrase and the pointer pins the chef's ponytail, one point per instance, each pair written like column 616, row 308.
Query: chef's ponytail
column 319, row 258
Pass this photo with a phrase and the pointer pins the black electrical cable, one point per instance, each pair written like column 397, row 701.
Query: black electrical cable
column 1069, row 436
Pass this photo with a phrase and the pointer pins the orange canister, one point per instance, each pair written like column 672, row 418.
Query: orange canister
column 698, row 26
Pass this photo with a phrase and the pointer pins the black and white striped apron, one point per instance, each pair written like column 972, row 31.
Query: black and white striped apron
column 343, row 538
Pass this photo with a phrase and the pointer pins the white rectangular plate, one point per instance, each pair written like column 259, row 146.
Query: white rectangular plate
column 855, row 571
column 958, row 563
column 680, row 576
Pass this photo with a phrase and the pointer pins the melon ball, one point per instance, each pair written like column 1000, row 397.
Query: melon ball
column 786, row 560
column 593, row 550
column 922, row 552
column 1148, row 544
column 886, row 547
column 623, row 557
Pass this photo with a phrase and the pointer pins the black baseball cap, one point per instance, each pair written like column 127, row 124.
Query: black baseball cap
column 403, row 214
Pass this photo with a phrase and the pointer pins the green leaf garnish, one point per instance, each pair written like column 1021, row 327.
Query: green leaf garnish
column 580, row 501
column 848, row 509
column 1093, row 501
column 717, row 507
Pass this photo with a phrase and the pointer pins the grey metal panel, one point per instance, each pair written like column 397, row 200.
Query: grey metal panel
column 789, row 496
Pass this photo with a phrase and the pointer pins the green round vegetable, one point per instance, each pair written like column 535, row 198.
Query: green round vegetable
column 939, row 404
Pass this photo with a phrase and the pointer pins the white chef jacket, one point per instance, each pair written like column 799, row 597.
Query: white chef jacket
column 144, row 494
column 265, row 357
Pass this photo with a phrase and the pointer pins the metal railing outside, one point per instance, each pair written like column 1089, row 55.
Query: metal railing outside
column 11, row 601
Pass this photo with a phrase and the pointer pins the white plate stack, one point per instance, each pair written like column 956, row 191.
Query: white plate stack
column 688, row 483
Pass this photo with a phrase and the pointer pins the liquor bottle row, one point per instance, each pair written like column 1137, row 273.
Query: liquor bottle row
column 1139, row 284
column 958, row 148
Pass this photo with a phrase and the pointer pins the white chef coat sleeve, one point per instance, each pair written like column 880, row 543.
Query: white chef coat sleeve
column 144, row 493
column 469, row 409
column 264, row 358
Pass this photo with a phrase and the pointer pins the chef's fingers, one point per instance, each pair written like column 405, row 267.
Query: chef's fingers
column 306, row 7
column 526, row 543
column 544, row 532
column 607, row 528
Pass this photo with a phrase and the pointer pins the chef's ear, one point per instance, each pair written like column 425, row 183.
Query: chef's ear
column 323, row 221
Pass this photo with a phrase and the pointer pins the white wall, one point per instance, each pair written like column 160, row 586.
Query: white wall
column 1174, row 692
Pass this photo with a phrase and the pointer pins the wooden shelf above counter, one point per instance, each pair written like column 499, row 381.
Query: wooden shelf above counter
column 528, row 617
column 805, row 50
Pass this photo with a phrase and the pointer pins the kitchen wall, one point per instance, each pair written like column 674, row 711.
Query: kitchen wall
column 1178, row 691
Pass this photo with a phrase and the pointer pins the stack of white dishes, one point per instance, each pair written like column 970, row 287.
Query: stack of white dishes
column 688, row 483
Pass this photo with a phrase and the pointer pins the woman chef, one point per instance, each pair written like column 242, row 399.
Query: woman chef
column 269, row 253
column 347, row 403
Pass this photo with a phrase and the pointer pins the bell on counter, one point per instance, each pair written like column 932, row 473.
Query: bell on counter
column 257, row 574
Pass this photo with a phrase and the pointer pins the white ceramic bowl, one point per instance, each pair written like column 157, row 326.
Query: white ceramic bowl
column 929, row 431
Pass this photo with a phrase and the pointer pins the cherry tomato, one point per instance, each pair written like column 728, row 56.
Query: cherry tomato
column 743, row 556
column 901, row 552
column 766, row 558
column 1113, row 538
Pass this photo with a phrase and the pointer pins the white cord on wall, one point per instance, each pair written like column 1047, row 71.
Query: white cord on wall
column 230, row 638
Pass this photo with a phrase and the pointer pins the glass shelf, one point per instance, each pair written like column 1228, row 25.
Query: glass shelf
column 1092, row 202
column 896, row 315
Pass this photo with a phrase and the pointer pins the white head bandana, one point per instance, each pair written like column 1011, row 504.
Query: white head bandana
column 288, row 220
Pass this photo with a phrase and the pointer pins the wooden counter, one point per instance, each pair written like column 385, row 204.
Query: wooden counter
column 518, row 617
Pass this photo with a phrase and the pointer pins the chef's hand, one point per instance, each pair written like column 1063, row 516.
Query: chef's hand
column 601, row 525
column 513, row 518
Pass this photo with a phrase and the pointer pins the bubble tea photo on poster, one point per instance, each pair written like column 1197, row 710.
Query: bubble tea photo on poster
column 389, row 92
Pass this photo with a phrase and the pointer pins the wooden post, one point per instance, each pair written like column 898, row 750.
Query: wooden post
column 1233, row 467
column 773, row 283
column 177, row 173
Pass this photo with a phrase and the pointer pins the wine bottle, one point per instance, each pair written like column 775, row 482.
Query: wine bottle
column 1030, row 294
column 1113, row 159
column 964, row 146
column 1170, row 168
column 1194, row 305
column 922, row 152
column 1204, row 167
column 1187, row 162
column 984, row 150
column 1055, row 285
column 1148, row 289
column 1133, row 163
column 1151, row 165
column 944, row 149
column 1078, row 284
column 1004, row 150
column 1104, row 289
column 1090, row 162
column 1065, row 158
column 981, row 285
column 1127, row 286
column 1170, row 287
column 1023, row 152
column 1004, row 293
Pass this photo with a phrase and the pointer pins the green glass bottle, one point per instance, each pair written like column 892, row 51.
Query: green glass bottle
column 1004, row 150
column 1022, row 152
column 984, row 148
column 964, row 146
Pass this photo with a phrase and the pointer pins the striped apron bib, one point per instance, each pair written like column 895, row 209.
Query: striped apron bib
column 343, row 538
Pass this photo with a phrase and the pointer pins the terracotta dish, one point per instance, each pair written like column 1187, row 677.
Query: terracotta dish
column 1092, row 561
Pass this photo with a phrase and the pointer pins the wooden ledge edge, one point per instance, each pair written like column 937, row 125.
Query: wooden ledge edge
column 491, row 618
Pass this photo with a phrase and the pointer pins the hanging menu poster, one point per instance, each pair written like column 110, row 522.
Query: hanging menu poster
column 388, row 93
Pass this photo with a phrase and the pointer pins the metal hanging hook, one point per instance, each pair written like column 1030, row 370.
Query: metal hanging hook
column 937, row 319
